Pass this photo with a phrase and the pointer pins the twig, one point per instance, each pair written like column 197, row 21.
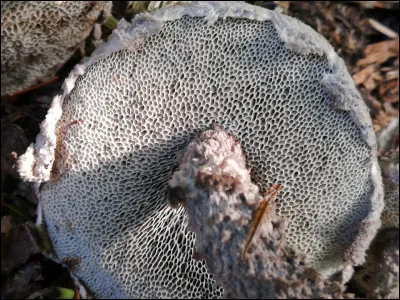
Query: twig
column 34, row 87
column 383, row 29
column 14, row 210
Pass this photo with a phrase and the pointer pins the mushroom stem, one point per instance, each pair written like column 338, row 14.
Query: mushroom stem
column 216, row 190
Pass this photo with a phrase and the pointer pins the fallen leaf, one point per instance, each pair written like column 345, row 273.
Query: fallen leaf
column 391, row 46
column 379, row 52
column 372, row 81
column 378, row 57
column 389, row 91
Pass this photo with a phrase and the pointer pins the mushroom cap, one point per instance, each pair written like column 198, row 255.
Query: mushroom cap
column 130, row 109
column 38, row 37
column 219, row 198
column 390, row 173
column 378, row 277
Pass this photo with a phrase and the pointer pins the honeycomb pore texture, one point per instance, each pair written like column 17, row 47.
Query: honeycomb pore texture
column 38, row 37
column 132, row 113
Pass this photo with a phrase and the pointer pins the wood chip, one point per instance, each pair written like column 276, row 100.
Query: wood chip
column 379, row 52
column 363, row 74
column 389, row 91
column 370, row 82
column 378, row 57
column 391, row 46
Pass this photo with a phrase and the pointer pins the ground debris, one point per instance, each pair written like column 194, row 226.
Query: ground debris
column 380, row 52
column 23, row 282
column 376, row 74
column 360, row 32
column 18, row 243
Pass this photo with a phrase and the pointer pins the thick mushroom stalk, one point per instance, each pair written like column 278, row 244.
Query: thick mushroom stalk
column 214, row 186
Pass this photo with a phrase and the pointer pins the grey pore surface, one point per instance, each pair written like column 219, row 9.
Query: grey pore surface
column 390, row 174
column 38, row 37
column 132, row 113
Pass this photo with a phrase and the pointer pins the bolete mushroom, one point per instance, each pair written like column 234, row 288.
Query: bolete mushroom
column 127, row 113
column 38, row 37
column 214, row 186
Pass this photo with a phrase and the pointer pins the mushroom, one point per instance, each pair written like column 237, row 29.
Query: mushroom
column 390, row 171
column 114, row 138
column 378, row 277
column 38, row 37
column 215, row 188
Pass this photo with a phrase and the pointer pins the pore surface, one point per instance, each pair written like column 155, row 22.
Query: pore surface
column 134, row 111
